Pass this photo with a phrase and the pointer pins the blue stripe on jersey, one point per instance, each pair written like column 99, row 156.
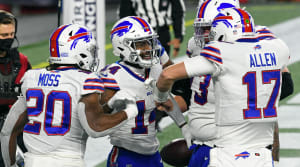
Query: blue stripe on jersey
column 109, row 80
column 162, row 48
column 266, row 37
column 90, row 87
column 66, row 68
column 112, row 87
column 93, row 80
column 210, row 48
column 112, row 83
column 212, row 57
column 188, row 53
column 247, row 40
column 263, row 31
column 132, row 73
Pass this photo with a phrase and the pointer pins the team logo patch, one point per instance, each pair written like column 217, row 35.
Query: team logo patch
column 257, row 47
column 243, row 155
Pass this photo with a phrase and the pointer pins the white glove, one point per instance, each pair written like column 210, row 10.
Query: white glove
column 158, row 96
column 187, row 135
column 120, row 100
column 131, row 110
column 150, row 83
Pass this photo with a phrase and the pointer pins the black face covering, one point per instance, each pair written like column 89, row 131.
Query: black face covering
column 5, row 44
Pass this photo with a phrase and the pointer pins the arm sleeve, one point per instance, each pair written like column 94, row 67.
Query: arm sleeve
column 178, row 12
column 176, row 114
column 126, row 9
column 199, row 65
column 16, row 110
column 287, row 87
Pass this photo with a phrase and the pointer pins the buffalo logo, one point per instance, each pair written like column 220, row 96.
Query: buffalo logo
column 257, row 47
column 220, row 18
column 80, row 34
column 121, row 29
column 244, row 155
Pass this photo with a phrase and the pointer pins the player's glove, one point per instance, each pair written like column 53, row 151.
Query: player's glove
column 187, row 135
column 124, row 101
column 131, row 109
column 159, row 96
column 120, row 100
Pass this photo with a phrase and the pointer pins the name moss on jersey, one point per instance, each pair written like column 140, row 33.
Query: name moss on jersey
column 52, row 98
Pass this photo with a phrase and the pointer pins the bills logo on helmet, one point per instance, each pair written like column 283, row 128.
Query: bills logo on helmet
column 223, row 19
column 244, row 155
column 121, row 29
column 224, row 6
column 80, row 34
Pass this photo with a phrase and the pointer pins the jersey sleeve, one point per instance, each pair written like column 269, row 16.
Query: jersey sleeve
column 92, row 84
column 212, row 53
column 108, row 78
column 263, row 32
column 199, row 65
column 163, row 55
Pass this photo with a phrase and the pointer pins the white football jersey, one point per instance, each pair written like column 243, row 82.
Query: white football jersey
column 247, row 88
column 52, row 99
column 202, row 107
column 138, row 134
column 201, row 112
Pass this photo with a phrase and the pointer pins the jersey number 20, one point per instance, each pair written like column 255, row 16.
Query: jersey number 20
column 34, row 111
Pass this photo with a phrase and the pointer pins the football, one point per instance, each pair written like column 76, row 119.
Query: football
column 176, row 153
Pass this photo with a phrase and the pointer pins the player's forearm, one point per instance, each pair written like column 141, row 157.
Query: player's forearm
column 170, row 75
column 107, row 121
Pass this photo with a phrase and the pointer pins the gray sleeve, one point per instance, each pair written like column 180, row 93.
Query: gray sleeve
column 16, row 110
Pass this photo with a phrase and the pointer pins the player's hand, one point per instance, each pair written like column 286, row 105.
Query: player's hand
column 176, row 46
column 159, row 97
column 150, row 83
column 187, row 135
column 120, row 100
column 131, row 110
column 166, row 106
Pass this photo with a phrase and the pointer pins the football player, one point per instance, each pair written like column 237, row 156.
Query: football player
column 202, row 108
column 60, row 107
column 246, row 73
column 201, row 112
column 141, row 57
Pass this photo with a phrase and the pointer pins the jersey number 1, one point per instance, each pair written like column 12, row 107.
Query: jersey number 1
column 252, row 111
